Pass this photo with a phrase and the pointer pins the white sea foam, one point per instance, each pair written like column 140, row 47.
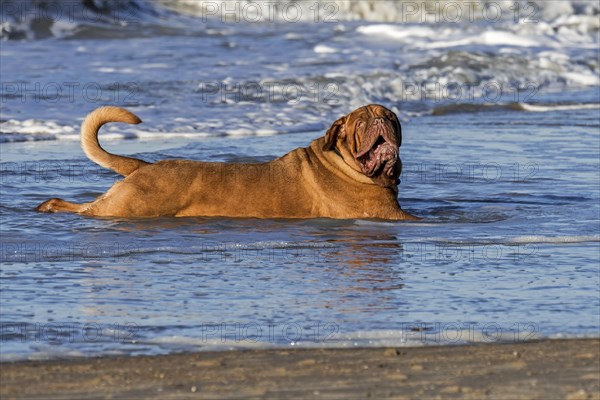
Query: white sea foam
column 315, row 249
column 403, row 62
column 240, row 132
column 31, row 129
column 116, row 70
column 510, row 241
column 573, row 20
column 430, row 38
column 382, row 10
column 553, row 239
column 34, row 130
column 321, row 49
column 253, row 336
column 487, row 38
column 396, row 32
column 388, row 338
column 563, row 107
column 450, row 334
column 583, row 79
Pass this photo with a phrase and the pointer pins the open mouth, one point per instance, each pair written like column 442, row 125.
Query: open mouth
column 381, row 158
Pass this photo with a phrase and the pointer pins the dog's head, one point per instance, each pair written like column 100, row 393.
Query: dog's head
column 372, row 135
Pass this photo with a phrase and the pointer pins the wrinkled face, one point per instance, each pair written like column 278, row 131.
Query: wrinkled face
column 372, row 135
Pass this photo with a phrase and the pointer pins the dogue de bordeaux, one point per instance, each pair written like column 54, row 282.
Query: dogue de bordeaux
column 351, row 173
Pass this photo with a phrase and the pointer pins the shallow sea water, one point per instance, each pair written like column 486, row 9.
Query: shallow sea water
column 508, row 248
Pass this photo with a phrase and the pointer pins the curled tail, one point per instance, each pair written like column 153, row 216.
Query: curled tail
column 89, row 139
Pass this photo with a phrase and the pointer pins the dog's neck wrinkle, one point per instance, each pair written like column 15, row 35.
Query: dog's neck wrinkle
column 349, row 160
column 337, row 151
column 336, row 158
column 341, row 156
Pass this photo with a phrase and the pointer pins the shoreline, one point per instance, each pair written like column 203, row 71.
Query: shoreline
column 548, row 369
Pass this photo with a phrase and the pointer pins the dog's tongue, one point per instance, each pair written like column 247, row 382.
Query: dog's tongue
column 382, row 154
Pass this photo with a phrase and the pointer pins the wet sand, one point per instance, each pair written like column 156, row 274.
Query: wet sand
column 547, row 369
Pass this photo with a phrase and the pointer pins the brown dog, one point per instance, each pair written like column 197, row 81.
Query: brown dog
column 352, row 172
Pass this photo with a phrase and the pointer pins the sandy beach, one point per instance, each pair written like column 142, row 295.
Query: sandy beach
column 547, row 369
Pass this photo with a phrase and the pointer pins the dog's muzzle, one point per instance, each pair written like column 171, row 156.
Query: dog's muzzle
column 379, row 153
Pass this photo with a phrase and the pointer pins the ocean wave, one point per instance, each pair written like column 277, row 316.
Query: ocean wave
column 210, row 337
column 527, row 239
column 371, row 56
column 558, row 107
column 571, row 21
column 32, row 19
column 485, row 107
column 381, row 10
column 261, row 250
column 511, row 241
column 31, row 130
column 417, row 335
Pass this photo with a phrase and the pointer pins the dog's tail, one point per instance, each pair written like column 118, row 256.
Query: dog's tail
column 89, row 139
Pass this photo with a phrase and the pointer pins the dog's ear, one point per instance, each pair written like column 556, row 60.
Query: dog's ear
column 399, row 127
column 332, row 133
